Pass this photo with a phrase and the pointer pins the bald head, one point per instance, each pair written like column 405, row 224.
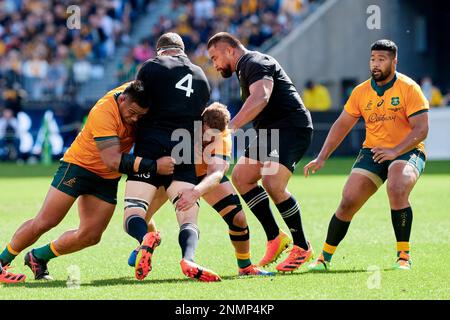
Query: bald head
column 170, row 41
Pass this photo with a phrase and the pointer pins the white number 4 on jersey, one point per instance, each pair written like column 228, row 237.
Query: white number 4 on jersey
column 180, row 85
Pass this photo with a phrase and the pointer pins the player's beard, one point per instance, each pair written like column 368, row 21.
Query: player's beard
column 226, row 72
column 381, row 76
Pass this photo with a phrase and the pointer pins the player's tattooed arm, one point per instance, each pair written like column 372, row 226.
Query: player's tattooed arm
column 107, row 142
column 109, row 148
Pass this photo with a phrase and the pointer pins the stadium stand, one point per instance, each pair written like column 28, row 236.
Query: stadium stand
column 41, row 53
column 46, row 65
column 258, row 24
column 44, row 62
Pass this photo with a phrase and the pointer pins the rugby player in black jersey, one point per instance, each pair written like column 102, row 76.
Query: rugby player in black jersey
column 271, row 102
column 178, row 92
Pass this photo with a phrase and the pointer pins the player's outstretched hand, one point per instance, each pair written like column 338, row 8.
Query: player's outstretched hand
column 314, row 166
column 188, row 197
column 165, row 165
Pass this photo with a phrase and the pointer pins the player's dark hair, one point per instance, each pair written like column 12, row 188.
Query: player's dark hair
column 170, row 40
column 385, row 45
column 216, row 116
column 135, row 92
column 224, row 37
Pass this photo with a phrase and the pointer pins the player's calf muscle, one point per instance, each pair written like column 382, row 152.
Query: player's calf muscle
column 40, row 225
column 26, row 235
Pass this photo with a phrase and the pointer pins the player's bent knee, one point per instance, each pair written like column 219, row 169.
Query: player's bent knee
column 234, row 218
column 244, row 177
column 236, row 231
column 397, row 191
column 240, row 220
column 230, row 201
column 272, row 184
column 348, row 206
column 236, row 179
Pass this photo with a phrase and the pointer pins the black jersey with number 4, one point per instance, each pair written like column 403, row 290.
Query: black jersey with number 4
column 285, row 108
column 178, row 92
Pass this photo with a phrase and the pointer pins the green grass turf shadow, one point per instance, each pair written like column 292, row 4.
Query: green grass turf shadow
column 321, row 272
column 125, row 281
column 121, row 281
column 334, row 166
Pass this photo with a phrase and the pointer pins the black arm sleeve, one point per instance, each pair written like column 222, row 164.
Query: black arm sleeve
column 127, row 165
column 148, row 165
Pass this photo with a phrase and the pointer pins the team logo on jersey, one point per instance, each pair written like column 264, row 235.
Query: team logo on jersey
column 395, row 101
column 369, row 106
column 379, row 104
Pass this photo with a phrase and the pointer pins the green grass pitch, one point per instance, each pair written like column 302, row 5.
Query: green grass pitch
column 360, row 266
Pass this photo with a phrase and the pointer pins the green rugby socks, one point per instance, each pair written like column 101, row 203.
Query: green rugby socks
column 8, row 255
column 46, row 252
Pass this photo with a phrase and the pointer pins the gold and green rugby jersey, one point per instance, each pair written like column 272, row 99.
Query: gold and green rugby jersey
column 386, row 110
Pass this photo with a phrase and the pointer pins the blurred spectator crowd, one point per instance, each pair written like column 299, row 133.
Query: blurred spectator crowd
column 44, row 55
column 257, row 23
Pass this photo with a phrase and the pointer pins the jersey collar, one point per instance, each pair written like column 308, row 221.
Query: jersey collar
column 381, row 90
column 237, row 63
column 116, row 96
column 116, row 99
